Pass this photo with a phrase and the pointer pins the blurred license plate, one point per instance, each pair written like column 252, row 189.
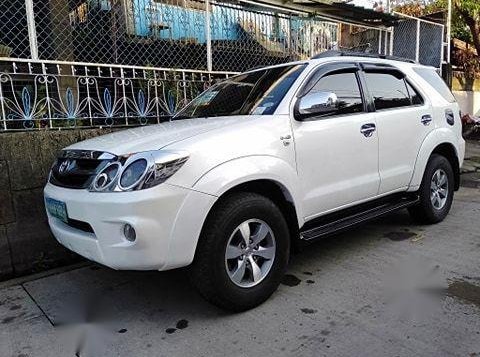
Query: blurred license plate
column 57, row 209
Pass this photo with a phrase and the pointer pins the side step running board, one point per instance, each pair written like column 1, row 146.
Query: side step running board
column 329, row 226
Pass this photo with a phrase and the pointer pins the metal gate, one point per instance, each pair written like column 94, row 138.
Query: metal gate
column 90, row 63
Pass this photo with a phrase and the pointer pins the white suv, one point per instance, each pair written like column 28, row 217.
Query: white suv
column 260, row 163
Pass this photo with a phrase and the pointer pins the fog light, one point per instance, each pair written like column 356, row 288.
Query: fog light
column 129, row 233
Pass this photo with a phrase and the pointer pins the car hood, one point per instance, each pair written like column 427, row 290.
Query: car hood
column 154, row 137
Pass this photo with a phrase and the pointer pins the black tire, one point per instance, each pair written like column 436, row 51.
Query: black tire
column 425, row 212
column 208, row 272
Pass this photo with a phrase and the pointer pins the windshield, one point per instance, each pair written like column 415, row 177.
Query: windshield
column 253, row 93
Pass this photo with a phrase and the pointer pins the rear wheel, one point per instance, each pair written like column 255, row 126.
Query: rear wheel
column 243, row 252
column 436, row 191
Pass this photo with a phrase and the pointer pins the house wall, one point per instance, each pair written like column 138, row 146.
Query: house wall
column 467, row 93
column 26, row 244
column 469, row 102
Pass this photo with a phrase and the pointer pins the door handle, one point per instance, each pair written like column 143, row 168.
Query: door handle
column 368, row 129
column 426, row 119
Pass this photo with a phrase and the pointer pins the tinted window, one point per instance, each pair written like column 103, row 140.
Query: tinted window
column 345, row 88
column 387, row 90
column 432, row 77
column 414, row 95
column 258, row 92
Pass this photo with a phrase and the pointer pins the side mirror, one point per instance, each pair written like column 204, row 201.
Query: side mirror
column 316, row 103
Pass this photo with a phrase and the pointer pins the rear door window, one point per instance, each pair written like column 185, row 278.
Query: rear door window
column 387, row 90
column 414, row 95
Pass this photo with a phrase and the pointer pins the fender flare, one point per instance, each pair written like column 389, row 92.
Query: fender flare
column 215, row 182
column 435, row 138
column 230, row 174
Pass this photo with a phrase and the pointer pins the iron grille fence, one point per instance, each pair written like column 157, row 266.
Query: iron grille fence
column 84, row 63
column 167, row 33
column 61, row 95
column 190, row 34
column 419, row 40
column 14, row 40
column 365, row 39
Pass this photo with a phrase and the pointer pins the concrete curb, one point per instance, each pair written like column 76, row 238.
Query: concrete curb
column 470, row 179
column 32, row 277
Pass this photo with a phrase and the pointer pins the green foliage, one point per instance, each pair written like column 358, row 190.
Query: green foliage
column 467, row 61
column 469, row 12
column 460, row 29
column 470, row 6
column 461, row 8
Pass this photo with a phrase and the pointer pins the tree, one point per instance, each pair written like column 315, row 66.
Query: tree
column 469, row 11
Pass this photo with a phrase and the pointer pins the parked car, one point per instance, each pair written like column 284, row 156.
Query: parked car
column 257, row 164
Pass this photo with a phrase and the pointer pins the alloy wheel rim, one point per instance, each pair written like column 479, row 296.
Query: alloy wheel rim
column 250, row 253
column 439, row 189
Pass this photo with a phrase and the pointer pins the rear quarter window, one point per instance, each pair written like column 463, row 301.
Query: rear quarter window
column 432, row 77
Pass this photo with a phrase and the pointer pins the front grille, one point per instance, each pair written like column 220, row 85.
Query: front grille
column 77, row 168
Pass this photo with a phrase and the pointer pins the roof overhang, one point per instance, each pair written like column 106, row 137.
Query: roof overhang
column 335, row 10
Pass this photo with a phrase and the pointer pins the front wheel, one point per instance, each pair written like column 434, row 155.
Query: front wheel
column 436, row 191
column 243, row 252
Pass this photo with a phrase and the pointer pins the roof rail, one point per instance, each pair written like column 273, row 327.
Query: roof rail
column 333, row 53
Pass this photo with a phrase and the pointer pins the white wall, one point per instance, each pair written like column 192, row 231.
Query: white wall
column 469, row 102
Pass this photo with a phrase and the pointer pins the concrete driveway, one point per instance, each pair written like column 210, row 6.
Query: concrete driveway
column 389, row 288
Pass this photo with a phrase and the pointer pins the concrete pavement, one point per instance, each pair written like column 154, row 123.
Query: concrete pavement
column 471, row 166
column 389, row 288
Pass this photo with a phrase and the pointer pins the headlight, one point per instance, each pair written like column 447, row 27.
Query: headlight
column 163, row 170
column 139, row 171
column 133, row 174
column 106, row 179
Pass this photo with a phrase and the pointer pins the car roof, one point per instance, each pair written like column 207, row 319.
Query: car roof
column 316, row 61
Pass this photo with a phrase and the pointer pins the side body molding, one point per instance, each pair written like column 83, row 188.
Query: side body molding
column 434, row 138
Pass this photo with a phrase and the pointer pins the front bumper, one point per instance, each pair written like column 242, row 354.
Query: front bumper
column 167, row 219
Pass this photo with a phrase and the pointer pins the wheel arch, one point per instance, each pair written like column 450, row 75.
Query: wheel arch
column 274, row 191
column 260, row 173
column 199, row 206
column 448, row 151
column 269, row 176
column 440, row 141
